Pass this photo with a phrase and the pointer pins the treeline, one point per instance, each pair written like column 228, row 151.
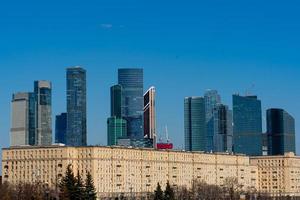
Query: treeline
column 73, row 187
column 231, row 190
column 70, row 187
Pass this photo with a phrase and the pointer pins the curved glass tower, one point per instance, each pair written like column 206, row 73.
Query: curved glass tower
column 43, row 93
column 131, row 80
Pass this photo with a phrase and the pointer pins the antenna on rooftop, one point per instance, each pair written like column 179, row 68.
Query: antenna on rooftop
column 167, row 134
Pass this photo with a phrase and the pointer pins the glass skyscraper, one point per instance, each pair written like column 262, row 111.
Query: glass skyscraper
column 131, row 81
column 212, row 99
column 43, row 95
column 280, row 131
column 116, row 124
column 150, row 115
column 61, row 128
column 116, row 129
column 247, row 125
column 23, row 119
column 116, row 101
column 76, row 107
column 194, row 124
column 223, row 133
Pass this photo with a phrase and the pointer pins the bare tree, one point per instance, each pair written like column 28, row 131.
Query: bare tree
column 232, row 188
column 183, row 193
column 26, row 191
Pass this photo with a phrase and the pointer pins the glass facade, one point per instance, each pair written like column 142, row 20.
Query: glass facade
column 116, row 128
column 131, row 81
column 76, row 107
column 222, row 140
column 247, row 125
column 139, row 143
column 212, row 99
column 43, row 95
column 61, row 128
column 32, row 117
column 194, row 124
column 281, row 132
column 116, row 100
column 150, row 115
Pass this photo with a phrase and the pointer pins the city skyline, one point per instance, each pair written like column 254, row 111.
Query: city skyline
column 174, row 137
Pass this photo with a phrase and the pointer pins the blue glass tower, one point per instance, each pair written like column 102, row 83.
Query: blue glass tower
column 43, row 96
column 132, row 110
column 212, row 99
column 194, row 124
column 280, row 131
column 247, row 125
column 223, row 135
column 76, row 107
column 61, row 128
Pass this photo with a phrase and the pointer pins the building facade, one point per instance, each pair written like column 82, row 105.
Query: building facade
column 194, row 124
column 61, row 128
column 132, row 82
column 76, row 107
column 43, row 97
column 281, row 132
column 247, row 125
column 116, row 128
column 223, row 133
column 150, row 115
column 118, row 170
column 23, row 113
column 278, row 175
column 116, row 101
column 212, row 99
column 116, row 124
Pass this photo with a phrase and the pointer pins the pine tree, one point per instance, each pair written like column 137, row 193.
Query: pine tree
column 169, row 193
column 67, row 185
column 79, row 188
column 158, row 194
column 90, row 191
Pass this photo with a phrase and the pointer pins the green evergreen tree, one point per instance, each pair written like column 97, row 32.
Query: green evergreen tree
column 67, row 185
column 90, row 191
column 169, row 192
column 158, row 194
column 79, row 188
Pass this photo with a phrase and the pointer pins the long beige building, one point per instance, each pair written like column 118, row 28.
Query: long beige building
column 125, row 170
column 278, row 175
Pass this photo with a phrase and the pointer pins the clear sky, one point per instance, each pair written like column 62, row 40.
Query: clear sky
column 185, row 47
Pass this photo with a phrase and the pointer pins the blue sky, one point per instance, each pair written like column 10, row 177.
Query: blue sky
column 185, row 47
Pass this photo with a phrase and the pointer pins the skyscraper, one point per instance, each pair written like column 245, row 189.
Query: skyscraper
column 194, row 124
column 42, row 90
column 212, row 99
column 116, row 129
column 223, row 134
column 76, row 107
column 116, row 101
column 149, row 115
column 61, row 128
column 280, row 131
column 116, row 125
column 247, row 125
column 23, row 119
column 131, row 81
